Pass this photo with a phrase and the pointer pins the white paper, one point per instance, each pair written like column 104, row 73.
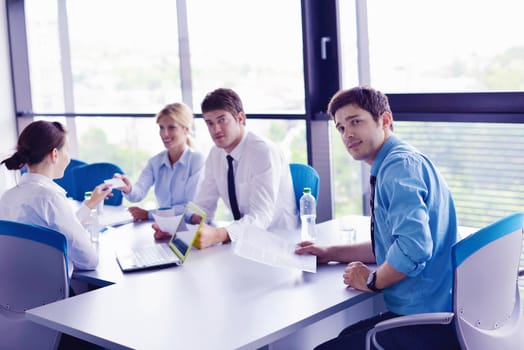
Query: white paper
column 268, row 248
column 167, row 224
column 115, row 182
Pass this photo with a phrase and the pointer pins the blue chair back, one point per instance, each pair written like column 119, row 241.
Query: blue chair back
column 304, row 175
column 88, row 176
column 33, row 272
column 487, row 310
column 68, row 180
column 486, row 298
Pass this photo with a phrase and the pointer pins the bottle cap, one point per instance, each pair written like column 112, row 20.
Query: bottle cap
column 88, row 194
column 307, row 190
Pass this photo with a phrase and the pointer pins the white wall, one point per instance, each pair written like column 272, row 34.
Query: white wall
column 7, row 109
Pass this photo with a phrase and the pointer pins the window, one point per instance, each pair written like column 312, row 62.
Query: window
column 44, row 56
column 124, row 55
column 125, row 60
column 253, row 47
column 426, row 48
column 481, row 162
column 446, row 45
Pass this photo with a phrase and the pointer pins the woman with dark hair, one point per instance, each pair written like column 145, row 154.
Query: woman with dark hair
column 43, row 146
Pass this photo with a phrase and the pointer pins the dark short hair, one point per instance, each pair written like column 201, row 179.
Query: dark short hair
column 367, row 98
column 222, row 98
column 35, row 142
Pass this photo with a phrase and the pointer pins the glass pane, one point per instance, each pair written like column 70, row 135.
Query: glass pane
column 124, row 55
column 130, row 142
column 482, row 164
column 444, row 45
column 253, row 47
column 347, row 178
column 348, row 43
column 44, row 56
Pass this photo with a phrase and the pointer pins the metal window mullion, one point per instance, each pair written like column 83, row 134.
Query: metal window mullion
column 364, row 78
column 18, row 52
column 364, row 75
column 186, row 82
column 67, row 75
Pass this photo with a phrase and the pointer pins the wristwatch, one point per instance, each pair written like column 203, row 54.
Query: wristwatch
column 372, row 279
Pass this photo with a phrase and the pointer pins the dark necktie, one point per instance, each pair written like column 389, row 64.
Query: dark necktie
column 372, row 182
column 231, row 188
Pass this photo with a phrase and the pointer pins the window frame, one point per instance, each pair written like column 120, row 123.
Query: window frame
column 321, row 80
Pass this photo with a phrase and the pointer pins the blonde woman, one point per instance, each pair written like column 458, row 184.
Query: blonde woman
column 175, row 172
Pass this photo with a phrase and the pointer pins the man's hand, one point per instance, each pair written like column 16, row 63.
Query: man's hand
column 208, row 236
column 307, row 247
column 356, row 274
column 138, row 213
column 159, row 234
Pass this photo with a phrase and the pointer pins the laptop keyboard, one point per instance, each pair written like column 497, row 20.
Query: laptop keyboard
column 149, row 255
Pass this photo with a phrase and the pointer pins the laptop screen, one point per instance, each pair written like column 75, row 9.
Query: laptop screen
column 184, row 236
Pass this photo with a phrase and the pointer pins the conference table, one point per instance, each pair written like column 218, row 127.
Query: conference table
column 215, row 300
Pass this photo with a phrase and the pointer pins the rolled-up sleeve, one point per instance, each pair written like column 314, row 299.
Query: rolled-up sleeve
column 403, row 202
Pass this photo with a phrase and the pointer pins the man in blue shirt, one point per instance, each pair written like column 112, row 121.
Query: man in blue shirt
column 413, row 227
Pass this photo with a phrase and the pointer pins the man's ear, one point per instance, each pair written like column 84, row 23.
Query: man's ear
column 241, row 118
column 387, row 120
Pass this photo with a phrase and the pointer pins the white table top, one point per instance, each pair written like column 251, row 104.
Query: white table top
column 216, row 300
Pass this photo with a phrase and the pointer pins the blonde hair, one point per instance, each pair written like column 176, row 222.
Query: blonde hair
column 180, row 113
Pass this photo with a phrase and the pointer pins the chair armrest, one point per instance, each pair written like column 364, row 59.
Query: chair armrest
column 403, row 321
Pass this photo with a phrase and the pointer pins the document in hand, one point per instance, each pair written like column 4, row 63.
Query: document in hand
column 267, row 248
column 167, row 223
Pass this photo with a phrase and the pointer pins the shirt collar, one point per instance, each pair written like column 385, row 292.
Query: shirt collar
column 239, row 149
column 391, row 142
column 184, row 158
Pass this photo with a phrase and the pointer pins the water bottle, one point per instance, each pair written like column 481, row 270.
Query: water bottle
column 92, row 224
column 308, row 215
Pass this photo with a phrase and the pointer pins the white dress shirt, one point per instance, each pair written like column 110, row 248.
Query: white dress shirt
column 38, row 200
column 263, row 186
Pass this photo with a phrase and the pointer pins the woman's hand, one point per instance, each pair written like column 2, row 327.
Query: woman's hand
column 98, row 195
column 127, row 187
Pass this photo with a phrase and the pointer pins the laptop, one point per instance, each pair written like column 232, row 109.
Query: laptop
column 158, row 255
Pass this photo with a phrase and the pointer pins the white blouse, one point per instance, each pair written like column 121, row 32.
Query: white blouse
column 38, row 200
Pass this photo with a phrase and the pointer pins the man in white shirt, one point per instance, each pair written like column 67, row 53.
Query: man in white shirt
column 262, row 181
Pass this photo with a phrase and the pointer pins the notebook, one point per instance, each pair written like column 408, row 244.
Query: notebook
column 174, row 252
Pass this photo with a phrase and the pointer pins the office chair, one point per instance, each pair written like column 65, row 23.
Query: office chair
column 88, row 176
column 486, row 301
column 304, row 175
column 68, row 180
column 33, row 272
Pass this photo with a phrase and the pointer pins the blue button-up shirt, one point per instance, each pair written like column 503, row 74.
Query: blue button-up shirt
column 415, row 227
column 175, row 185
